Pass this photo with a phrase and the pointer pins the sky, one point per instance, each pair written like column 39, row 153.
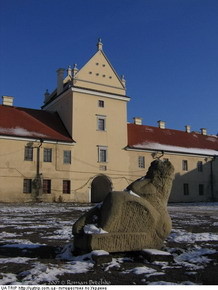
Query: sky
column 166, row 49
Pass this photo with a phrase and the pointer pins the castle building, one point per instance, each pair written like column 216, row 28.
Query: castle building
column 79, row 146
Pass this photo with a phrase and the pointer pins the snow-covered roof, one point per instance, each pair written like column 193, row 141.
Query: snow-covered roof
column 22, row 122
column 154, row 138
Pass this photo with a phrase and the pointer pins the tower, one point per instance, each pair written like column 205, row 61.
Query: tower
column 92, row 104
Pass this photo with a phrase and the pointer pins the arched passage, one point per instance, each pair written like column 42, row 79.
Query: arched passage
column 100, row 187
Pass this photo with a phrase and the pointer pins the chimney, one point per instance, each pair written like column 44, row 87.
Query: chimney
column 203, row 131
column 188, row 129
column 47, row 95
column 7, row 101
column 137, row 121
column 161, row 124
column 60, row 80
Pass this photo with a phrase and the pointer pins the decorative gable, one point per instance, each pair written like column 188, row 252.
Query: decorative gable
column 98, row 74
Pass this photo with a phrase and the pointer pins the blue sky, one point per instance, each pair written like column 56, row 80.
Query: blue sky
column 167, row 50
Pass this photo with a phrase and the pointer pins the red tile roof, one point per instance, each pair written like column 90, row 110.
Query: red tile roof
column 31, row 123
column 147, row 137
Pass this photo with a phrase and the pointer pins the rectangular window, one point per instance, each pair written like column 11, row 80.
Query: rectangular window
column 141, row 162
column 101, row 124
column 186, row 189
column 67, row 157
column 102, row 154
column 47, row 155
column 28, row 153
column 200, row 166
column 66, row 186
column 46, row 185
column 101, row 103
column 185, row 165
column 27, row 185
column 201, row 189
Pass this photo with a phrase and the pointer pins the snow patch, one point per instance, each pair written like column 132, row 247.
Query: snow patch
column 29, row 245
column 113, row 264
column 133, row 193
column 140, row 270
column 48, row 273
column 4, row 235
column 181, row 236
column 9, row 279
column 92, row 229
column 164, row 147
column 63, row 234
column 99, row 253
column 66, row 253
column 156, row 252
column 20, row 132
column 196, row 256
column 18, row 260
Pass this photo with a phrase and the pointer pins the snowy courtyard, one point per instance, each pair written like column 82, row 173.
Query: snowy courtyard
column 36, row 243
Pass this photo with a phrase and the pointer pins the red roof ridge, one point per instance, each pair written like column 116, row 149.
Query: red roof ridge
column 176, row 130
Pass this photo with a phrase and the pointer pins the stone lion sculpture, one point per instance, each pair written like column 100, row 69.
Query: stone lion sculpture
column 129, row 220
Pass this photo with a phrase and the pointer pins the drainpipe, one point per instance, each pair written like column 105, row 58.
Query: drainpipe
column 38, row 175
column 37, row 180
column 212, row 179
column 38, row 158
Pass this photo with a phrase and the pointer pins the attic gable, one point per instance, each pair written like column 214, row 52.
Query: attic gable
column 98, row 74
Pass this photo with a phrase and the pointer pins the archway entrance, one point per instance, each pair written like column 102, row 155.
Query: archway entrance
column 100, row 187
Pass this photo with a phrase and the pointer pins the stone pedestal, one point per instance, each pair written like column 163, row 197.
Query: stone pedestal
column 155, row 255
column 116, row 242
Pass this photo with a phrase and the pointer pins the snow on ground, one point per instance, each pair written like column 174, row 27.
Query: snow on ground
column 181, row 236
column 141, row 270
column 28, row 227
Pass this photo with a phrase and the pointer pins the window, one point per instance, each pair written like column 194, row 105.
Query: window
column 47, row 155
column 67, row 157
column 185, row 165
column 27, row 185
column 201, row 189
column 141, row 162
column 200, row 166
column 101, row 122
column 102, row 154
column 28, row 153
column 186, row 189
column 46, row 186
column 101, row 103
column 66, row 186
